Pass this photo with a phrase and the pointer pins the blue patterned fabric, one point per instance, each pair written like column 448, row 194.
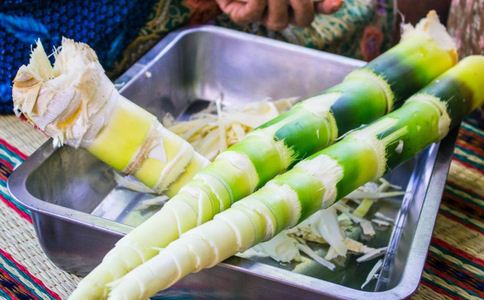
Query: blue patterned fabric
column 108, row 26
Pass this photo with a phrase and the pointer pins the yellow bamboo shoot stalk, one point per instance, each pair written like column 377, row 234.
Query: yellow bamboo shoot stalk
column 74, row 102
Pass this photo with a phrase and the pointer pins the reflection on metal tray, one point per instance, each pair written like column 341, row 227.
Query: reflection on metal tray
column 78, row 212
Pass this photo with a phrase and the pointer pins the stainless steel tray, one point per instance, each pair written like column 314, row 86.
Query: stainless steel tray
column 78, row 212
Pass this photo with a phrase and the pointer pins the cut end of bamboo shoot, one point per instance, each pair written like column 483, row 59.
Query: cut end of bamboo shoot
column 67, row 100
column 431, row 26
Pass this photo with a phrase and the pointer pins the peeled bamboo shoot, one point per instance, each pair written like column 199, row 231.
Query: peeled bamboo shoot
column 317, row 182
column 75, row 103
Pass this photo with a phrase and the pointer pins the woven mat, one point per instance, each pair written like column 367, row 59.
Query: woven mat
column 454, row 267
column 25, row 271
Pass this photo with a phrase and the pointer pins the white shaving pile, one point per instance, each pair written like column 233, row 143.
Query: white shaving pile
column 217, row 127
column 332, row 231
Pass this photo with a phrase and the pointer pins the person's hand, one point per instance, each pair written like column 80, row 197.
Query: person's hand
column 328, row 6
column 277, row 14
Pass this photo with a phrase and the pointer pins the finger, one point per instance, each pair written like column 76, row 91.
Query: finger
column 277, row 14
column 243, row 12
column 328, row 6
column 303, row 12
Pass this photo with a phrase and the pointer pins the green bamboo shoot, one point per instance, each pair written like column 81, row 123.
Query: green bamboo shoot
column 317, row 182
column 365, row 95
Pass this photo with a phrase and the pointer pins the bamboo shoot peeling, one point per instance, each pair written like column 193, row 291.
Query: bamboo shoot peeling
column 317, row 182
